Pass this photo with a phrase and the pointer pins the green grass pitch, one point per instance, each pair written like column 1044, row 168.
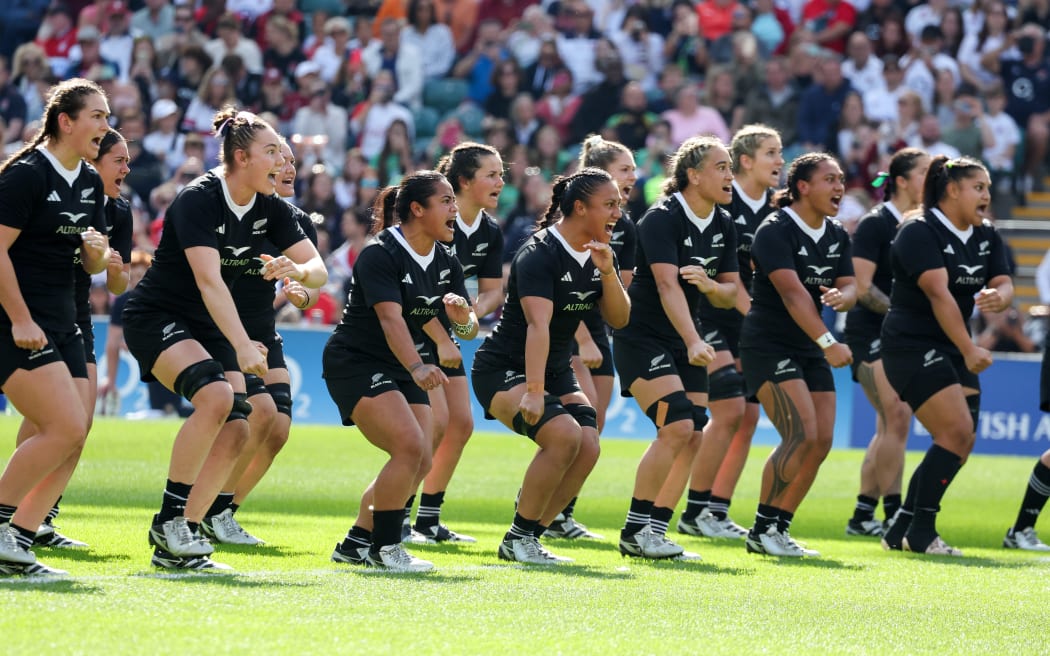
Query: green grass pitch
column 288, row 598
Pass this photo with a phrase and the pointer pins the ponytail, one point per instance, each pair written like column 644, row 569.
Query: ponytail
column 567, row 190
column 690, row 155
column 942, row 171
column 393, row 205
column 383, row 210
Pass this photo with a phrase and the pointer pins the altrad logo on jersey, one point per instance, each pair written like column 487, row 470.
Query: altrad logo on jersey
column 234, row 260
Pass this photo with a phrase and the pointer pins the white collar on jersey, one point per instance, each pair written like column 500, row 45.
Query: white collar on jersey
column 963, row 235
column 580, row 256
column 894, row 210
column 468, row 230
column 238, row 210
column 69, row 175
column 814, row 233
column 755, row 204
column 423, row 261
column 700, row 223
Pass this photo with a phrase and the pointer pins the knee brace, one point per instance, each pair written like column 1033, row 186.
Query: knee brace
column 241, row 407
column 973, row 403
column 726, row 383
column 197, row 376
column 552, row 408
column 282, row 397
column 699, row 418
column 676, row 406
column 585, row 415
column 254, row 385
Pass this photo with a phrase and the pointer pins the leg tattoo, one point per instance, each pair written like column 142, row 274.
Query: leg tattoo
column 786, row 419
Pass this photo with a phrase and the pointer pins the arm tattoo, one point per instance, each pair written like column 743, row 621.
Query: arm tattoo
column 786, row 419
column 875, row 300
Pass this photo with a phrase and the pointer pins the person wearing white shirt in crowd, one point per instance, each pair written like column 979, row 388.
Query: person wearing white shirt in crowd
column 322, row 118
column 862, row 68
column 528, row 36
column 155, row 19
column 922, row 63
column 389, row 50
column 577, row 46
column 924, row 15
column 377, row 113
column 249, row 9
column 430, row 37
column 335, row 49
column 230, row 42
column 880, row 101
column 165, row 141
column 1000, row 155
column 642, row 51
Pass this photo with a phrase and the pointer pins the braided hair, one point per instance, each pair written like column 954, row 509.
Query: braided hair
column 567, row 190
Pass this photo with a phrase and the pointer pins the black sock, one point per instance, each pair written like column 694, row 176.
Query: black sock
column 939, row 467
column 194, row 526
column 567, row 512
column 521, row 528
column 539, row 530
column 765, row 517
column 637, row 516
column 891, row 503
column 696, row 502
column 386, row 527
column 24, row 536
column 784, row 520
column 6, row 513
column 429, row 513
column 408, row 505
column 234, row 507
column 51, row 514
column 174, row 502
column 221, row 503
column 902, row 518
column 659, row 518
column 719, row 507
column 864, row 511
column 1034, row 497
column 357, row 538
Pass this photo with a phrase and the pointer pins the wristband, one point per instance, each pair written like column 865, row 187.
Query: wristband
column 463, row 329
column 826, row 340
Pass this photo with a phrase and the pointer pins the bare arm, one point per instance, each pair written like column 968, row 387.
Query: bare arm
column 672, row 299
column 301, row 262
column 490, row 296
column 868, row 294
column 615, row 304
column 204, row 262
column 934, row 283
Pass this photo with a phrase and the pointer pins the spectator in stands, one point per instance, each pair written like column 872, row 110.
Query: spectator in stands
column 118, row 40
column 991, row 35
column 372, row 118
column 1003, row 332
column 430, row 37
column 283, row 9
column 335, row 48
column 246, row 85
column 273, row 96
column 33, row 77
column 880, row 100
column 559, row 106
column 216, row 90
column 775, row 104
column 1000, row 155
column 319, row 196
column 340, row 263
column 57, row 36
column 187, row 74
column 165, row 142
column 186, row 34
column 952, row 28
column 347, row 186
column 19, row 22
column 716, row 18
column 207, row 16
column 720, row 94
column 87, row 59
column 322, row 118
column 689, row 118
column 230, row 42
column 1033, row 11
column 922, row 64
column 1025, row 71
column 155, row 19
column 893, row 40
column 401, row 59
column 861, row 67
column 395, row 160
column 602, row 101
column 829, row 23
column 924, row 15
column 820, row 105
column 476, row 66
column 530, row 33
column 548, row 154
column 642, row 50
column 684, row 46
column 12, row 106
column 539, row 75
column 803, row 61
column 632, row 125
column 969, row 132
column 282, row 50
column 577, row 46
column 767, row 27
column 929, row 138
column 506, row 84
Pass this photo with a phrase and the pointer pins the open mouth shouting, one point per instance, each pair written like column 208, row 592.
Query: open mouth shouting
column 836, row 201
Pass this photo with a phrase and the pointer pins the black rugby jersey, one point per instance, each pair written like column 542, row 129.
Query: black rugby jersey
column 623, row 242
column 252, row 294
column 544, row 268
column 781, row 244
column 119, row 227
column 871, row 241
column 481, row 251
column 51, row 208
column 386, row 271
column 924, row 244
column 201, row 215
column 668, row 235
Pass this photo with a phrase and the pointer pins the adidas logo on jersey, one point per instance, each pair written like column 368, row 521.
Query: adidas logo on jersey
column 688, row 242
column 948, row 249
column 221, row 230
column 802, row 251
column 407, row 279
column 567, row 277
column 741, row 220
column 53, row 197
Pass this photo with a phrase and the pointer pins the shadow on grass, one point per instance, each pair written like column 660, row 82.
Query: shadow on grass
column 575, row 570
column 225, row 579
column 266, row 551
column 80, row 555
column 433, row 577
column 977, row 561
column 51, row 584
column 814, row 563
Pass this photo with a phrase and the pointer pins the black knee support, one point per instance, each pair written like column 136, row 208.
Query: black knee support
column 699, row 418
column 973, row 402
column 726, row 383
column 676, row 406
column 241, row 407
column 197, row 376
column 282, row 397
column 585, row 415
column 552, row 408
column 254, row 385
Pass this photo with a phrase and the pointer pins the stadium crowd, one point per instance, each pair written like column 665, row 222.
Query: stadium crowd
column 591, row 117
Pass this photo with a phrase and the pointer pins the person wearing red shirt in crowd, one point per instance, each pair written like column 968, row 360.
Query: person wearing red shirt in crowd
column 57, row 36
column 830, row 22
column 285, row 9
column 716, row 18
